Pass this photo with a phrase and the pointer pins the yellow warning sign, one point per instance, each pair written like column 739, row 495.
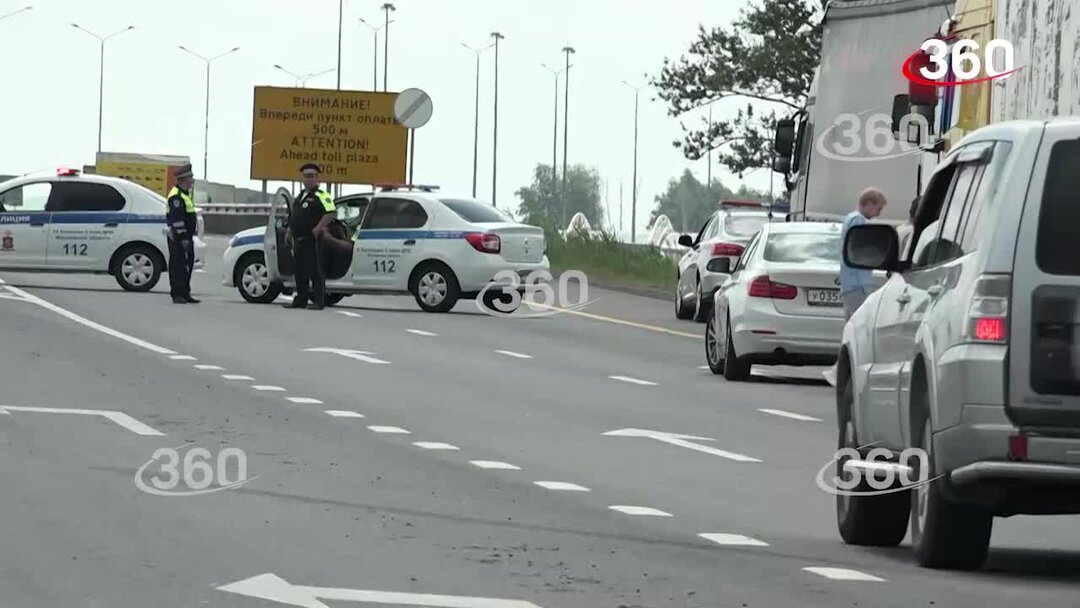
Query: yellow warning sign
column 352, row 135
column 154, row 176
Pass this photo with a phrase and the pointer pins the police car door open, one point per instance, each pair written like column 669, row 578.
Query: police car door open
column 279, row 259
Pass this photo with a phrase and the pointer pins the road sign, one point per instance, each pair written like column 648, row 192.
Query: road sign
column 413, row 108
column 353, row 135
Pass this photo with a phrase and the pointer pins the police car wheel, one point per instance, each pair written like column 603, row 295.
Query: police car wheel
column 138, row 268
column 252, row 279
column 334, row 298
column 435, row 287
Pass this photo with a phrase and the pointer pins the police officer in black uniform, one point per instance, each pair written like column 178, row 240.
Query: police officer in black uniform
column 182, row 223
column 311, row 216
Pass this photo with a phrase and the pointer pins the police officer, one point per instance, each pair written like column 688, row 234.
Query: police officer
column 181, row 221
column 311, row 216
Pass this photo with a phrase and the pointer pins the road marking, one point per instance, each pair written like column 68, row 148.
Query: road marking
column 435, row 445
column 208, row 367
column 344, row 414
column 305, row 400
column 420, row 332
column 63, row 312
column 703, row 367
column 633, row 380
column 589, row 315
column 267, row 387
column 389, row 429
column 510, row 353
column 273, row 588
column 236, row 377
column 843, row 574
column 682, row 441
column 182, row 358
column 359, row 355
column 349, row 313
column 629, row 510
column 494, row 464
column 722, row 538
column 792, row 415
column 561, row 486
column 120, row 418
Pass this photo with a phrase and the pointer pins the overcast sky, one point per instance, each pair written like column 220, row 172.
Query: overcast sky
column 154, row 93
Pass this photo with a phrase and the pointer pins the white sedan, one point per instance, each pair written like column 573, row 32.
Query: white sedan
column 781, row 305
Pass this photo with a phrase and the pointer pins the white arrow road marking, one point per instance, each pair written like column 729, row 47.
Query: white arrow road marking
column 271, row 587
column 237, row 377
column 561, row 486
column 682, row 441
column 843, row 574
column 359, row 355
column 792, row 415
column 494, row 464
column 436, row 445
column 420, row 332
column 344, row 414
column 633, row 380
column 349, row 313
column 510, row 353
column 120, row 418
column 721, row 538
column 305, row 400
column 630, row 510
column 388, row 429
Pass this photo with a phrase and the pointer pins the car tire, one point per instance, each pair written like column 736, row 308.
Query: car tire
column 701, row 305
column 435, row 287
column 945, row 534
column 712, row 345
column 138, row 267
column 875, row 521
column 333, row 299
column 252, row 279
column 736, row 369
column 682, row 313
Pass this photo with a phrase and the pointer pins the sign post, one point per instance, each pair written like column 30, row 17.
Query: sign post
column 412, row 109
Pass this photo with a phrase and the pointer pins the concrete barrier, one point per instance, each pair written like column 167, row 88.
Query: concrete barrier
column 230, row 219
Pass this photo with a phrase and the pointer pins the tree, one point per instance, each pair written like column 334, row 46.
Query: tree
column 769, row 54
column 541, row 202
column 688, row 203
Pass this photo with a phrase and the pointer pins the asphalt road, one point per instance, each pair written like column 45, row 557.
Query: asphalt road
column 487, row 462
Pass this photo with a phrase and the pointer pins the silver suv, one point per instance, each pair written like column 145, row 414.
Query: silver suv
column 970, row 352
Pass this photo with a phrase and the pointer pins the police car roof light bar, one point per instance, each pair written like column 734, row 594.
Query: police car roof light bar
column 741, row 203
column 395, row 187
column 66, row 172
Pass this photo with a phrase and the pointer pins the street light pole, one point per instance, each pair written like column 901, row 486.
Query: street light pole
column 555, row 134
column 476, row 115
column 340, row 21
column 634, row 186
column 569, row 50
column 301, row 79
column 389, row 6
column 708, row 169
column 101, row 71
column 13, row 13
column 206, row 117
column 495, row 128
column 374, row 52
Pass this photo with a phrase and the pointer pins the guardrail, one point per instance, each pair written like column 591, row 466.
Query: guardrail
column 229, row 219
column 234, row 209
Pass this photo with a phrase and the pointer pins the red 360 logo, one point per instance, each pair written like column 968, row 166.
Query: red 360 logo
column 960, row 60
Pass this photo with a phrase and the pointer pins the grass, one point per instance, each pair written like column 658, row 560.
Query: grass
column 609, row 262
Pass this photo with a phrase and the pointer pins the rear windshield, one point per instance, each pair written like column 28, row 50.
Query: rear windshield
column 803, row 247
column 1055, row 251
column 475, row 211
column 744, row 225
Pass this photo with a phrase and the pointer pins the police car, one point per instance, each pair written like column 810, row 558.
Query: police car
column 70, row 222
column 412, row 241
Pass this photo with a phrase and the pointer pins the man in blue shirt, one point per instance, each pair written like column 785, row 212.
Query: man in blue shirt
column 855, row 284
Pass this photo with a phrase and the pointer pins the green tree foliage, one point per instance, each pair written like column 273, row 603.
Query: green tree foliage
column 688, row 203
column 769, row 54
column 542, row 201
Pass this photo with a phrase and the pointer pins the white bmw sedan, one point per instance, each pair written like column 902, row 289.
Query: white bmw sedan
column 781, row 305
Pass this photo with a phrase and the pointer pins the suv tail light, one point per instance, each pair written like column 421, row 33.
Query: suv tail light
column 762, row 287
column 484, row 243
column 988, row 313
column 727, row 249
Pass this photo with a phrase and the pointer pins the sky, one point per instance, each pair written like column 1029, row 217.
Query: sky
column 154, row 93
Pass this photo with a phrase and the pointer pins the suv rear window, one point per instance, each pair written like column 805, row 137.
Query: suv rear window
column 475, row 211
column 1055, row 249
column 803, row 247
column 744, row 224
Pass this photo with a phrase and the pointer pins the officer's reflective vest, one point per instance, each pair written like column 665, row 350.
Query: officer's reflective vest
column 326, row 200
column 189, row 203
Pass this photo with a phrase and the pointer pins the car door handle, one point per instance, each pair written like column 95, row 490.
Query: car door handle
column 410, row 242
column 903, row 298
column 935, row 290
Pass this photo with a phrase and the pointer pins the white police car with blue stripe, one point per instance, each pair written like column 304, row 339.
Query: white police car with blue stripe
column 70, row 222
column 437, row 248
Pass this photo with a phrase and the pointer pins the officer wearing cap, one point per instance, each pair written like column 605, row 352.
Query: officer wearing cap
column 311, row 216
column 181, row 221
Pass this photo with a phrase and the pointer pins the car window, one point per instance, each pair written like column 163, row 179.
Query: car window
column 84, row 196
column 28, row 197
column 475, row 211
column 1055, row 245
column 963, row 186
column 351, row 211
column 744, row 225
column 708, row 224
column 395, row 213
column 924, row 249
column 803, row 247
column 931, row 207
column 984, row 192
column 747, row 253
column 711, row 232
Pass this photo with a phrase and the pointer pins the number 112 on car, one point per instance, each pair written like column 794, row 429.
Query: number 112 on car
column 74, row 248
column 384, row 266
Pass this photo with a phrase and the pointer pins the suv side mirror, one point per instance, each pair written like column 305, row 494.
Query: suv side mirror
column 784, row 139
column 872, row 247
column 686, row 240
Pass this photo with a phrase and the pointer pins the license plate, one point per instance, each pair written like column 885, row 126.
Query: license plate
column 823, row 297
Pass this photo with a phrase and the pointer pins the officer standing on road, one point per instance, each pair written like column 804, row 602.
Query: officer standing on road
column 311, row 216
column 182, row 223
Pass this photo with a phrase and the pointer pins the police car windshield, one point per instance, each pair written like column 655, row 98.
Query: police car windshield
column 475, row 211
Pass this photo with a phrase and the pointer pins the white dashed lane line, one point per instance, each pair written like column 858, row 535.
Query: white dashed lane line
column 494, row 464
column 344, row 414
column 420, row 332
column 630, row 380
column 722, row 538
column 209, row 367
column 791, row 415
column 349, row 313
column 304, row 400
column 388, row 429
column 268, row 387
column 436, row 445
column 561, row 486
column 510, row 353
column 648, row 511
column 182, row 358
column 237, row 377
column 843, row 574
